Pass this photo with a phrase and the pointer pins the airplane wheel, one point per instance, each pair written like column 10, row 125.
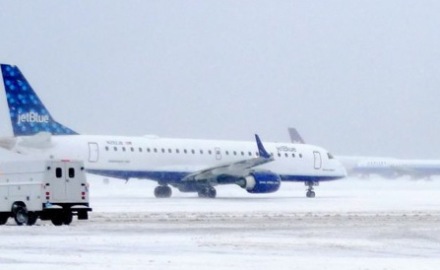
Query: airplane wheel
column 162, row 192
column 310, row 194
column 207, row 192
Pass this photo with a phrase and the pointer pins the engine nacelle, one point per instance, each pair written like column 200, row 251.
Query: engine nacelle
column 261, row 182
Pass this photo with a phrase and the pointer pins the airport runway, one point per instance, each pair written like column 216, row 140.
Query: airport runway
column 351, row 225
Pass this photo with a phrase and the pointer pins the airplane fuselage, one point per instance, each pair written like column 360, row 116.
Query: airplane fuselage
column 169, row 160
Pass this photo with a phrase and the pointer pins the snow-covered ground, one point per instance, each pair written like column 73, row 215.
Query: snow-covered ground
column 351, row 224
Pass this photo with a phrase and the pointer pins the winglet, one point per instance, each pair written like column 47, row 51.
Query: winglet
column 261, row 151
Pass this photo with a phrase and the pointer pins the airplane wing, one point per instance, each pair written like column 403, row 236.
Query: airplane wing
column 234, row 169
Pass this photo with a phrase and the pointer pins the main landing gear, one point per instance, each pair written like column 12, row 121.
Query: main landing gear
column 207, row 192
column 162, row 192
column 310, row 191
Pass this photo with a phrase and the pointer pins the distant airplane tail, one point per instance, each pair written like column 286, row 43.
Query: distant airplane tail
column 27, row 113
column 295, row 137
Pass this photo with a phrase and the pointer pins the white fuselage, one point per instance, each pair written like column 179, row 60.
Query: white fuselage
column 390, row 167
column 168, row 160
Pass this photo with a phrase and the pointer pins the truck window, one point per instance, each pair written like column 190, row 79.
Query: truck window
column 59, row 172
column 71, row 173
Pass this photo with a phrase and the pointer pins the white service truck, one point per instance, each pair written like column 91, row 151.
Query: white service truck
column 53, row 190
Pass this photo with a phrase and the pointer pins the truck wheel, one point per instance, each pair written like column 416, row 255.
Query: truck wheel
column 57, row 220
column 67, row 218
column 83, row 215
column 32, row 218
column 21, row 215
column 3, row 218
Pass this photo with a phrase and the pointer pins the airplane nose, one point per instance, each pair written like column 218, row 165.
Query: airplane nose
column 343, row 171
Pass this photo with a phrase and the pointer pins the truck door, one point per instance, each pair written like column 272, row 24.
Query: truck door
column 67, row 178
column 58, row 181
column 74, row 180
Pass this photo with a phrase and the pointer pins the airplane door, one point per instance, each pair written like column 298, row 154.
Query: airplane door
column 93, row 152
column 318, row 160
column 218, row 153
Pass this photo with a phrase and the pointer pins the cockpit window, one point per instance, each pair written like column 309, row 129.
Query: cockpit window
column 330, row 156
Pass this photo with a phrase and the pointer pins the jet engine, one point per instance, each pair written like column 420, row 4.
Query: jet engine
column 261, row 182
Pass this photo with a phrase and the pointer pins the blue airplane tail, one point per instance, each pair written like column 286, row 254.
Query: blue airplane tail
column 28, row 114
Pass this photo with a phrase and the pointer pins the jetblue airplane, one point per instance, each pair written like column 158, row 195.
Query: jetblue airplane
column 186, row 164
column 390, row 168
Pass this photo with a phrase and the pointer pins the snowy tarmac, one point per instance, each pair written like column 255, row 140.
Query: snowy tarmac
column 351, row 224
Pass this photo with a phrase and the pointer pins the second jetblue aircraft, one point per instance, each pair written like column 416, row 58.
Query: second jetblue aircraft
column 186, row 164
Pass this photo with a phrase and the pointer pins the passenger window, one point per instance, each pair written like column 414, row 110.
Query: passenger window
column 227, row 152
column 250, row 154
column 106, row 148
column 293, row 155
column 192, row 151
column 163, row 150
column 148, row 150
column 155, row 150
column 235, row 153
column 330, row 156
column 242, row 153
column 71, row 173
column 58, row 172
column 123, row 149
column 169, row 150
column 279, row 155
column 286, row 155
column 300, row 155
column 201, row 152
column 184, row 151
column 115, row 148
column 209, row 152
column 177, row 151
column 140, row 149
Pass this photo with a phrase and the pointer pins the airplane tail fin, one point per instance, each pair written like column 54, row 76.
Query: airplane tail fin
column 295, row 137
column 27, row 113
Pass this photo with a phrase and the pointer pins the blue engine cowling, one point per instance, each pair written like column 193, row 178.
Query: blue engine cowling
column 261, row 182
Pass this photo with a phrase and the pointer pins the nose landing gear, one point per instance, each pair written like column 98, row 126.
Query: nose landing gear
column 310, row 190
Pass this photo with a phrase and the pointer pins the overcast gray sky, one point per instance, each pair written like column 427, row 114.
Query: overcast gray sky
column 356, row 77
